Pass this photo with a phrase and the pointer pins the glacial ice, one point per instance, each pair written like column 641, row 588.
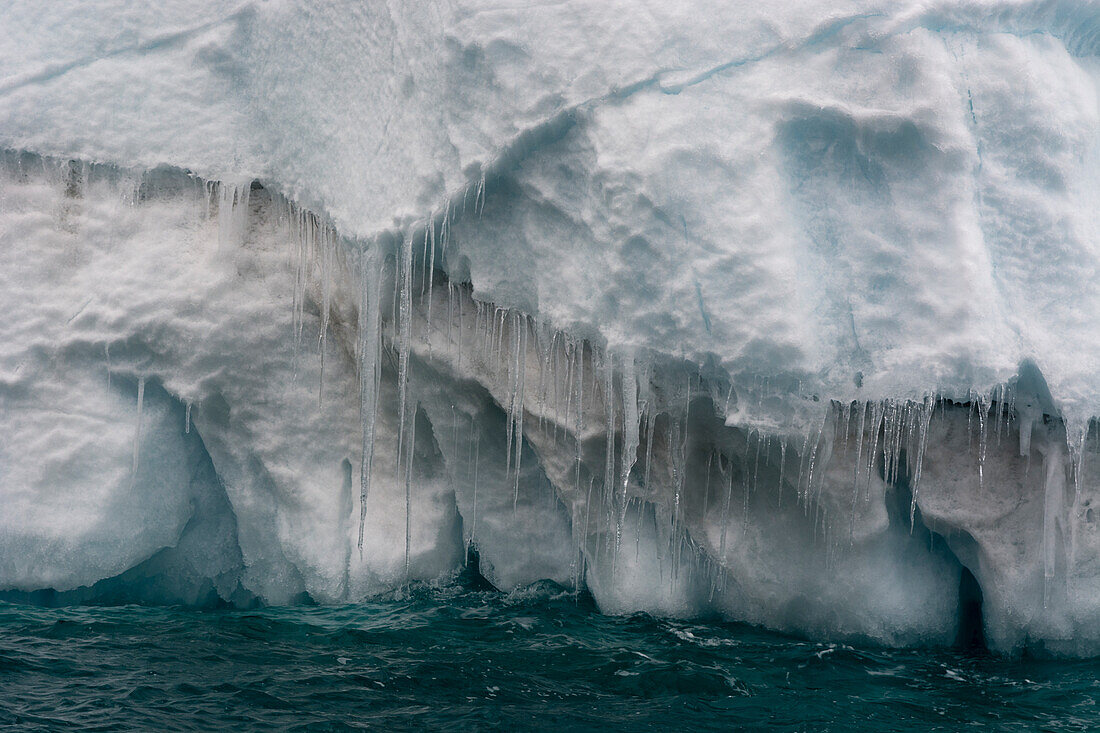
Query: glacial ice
column 778, row 313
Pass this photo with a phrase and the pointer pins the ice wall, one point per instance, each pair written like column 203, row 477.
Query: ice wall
column 781, row 313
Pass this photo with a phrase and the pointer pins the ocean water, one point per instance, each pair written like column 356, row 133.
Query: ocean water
column 459, row 657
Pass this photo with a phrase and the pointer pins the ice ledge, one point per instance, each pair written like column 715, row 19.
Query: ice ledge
column 631, row 473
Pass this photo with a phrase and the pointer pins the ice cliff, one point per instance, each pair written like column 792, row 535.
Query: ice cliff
column 779, row 313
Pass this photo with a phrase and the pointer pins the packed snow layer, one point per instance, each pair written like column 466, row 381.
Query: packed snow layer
column 831, row 193
column 684, row 304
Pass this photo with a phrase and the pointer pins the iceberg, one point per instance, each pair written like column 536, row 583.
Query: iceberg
column 774, row 313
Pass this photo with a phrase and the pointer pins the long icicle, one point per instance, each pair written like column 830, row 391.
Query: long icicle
column 630, row 440
column 137, row 433
column 370, row 371
column 477, row 457
column 405, row 328
column 521, row 386
column 408, row 492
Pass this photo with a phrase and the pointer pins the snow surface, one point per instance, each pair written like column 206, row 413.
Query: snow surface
column 780, row 312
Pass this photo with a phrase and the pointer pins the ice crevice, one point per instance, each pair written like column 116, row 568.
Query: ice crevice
column 152, row 44
column 303, row 415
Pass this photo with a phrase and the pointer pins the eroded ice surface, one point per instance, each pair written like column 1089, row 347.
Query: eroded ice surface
column 780, row 313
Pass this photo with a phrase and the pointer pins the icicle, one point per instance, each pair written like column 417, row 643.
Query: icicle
column 630, row 439
column 872, row 456
column 756, row 462
column 318, row 241
column 745, row 476
column 820, row 454
column 322, row 241
column 408, row 490
column 476, row 329
column 137, row 435
column 855, row 480
column 492, row 359
column 726, row 515
column 609, row 443
column 706, row 482
column 521, row 386
column 911, row 427
column 802, row 456
column 579, row 428
column 479, row 334
column 925, row 416
column 430, row 272
column 555, row 378
column 370, row 371
column 859, row 453
column 983, row 408
column 1053, row 493
column 492, row 355
column 972, row 401
column 477, row 457
column 451, row 318
column 889, row 409
column 1011, row 409
column 999, row 399
column 458, row 359
column 232, row 213
column 898, row 418
column 902, row 418
column 511, row 425
column 396, row 299
column 587, row 513
column 558, row 352
column 650, row 421
column 847, row 422
column 1028, row 416
column 570, row 362
column 488, row 337
column 405, row 327
column 495, row 353
column 107, row 353
column 187, row 419
column 782, row 468
column 428, row 233
column 546, row 373
column 580, row 391
column 444, row 237
column 678, row 476
column 298, row 227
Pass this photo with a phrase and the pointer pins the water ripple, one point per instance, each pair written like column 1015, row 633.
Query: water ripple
column 454, row 659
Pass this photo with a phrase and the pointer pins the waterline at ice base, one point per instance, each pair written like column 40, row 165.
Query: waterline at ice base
column 784, row 316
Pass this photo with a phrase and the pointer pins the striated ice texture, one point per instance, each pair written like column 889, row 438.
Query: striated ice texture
column 782, row 312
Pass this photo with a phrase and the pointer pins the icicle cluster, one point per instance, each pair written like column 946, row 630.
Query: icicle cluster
column 665, row 451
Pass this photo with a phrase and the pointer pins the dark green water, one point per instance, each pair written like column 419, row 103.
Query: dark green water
column 454, row 658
